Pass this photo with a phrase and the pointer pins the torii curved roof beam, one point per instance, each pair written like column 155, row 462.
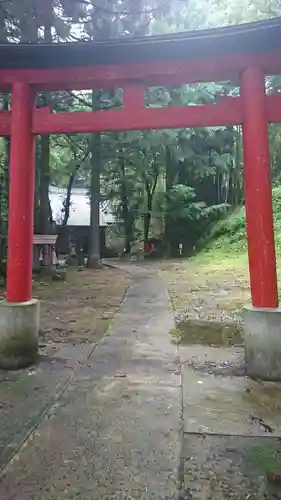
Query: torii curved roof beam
column 258, row 37
column 199, row 56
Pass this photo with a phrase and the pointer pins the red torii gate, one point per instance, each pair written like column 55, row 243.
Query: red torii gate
column 245, row 54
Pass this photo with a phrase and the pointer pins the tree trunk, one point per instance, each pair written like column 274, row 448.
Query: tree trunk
column 169, row 185
column 94, row 236
column 239, row 192
column 44, row 223
column 6, row 183
column 147, row 215
column 45, row 217
column 235, row 187
column 127, row 217
column 63, row 229
column 45, row 212
column 4, row 197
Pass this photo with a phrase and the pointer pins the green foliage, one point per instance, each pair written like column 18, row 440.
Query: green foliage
column 176, row 184
column 229, row 234
column 181, row 205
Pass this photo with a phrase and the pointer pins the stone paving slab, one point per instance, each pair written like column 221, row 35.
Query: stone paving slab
column 227, row 467
column 115, row 433
column 118, row 439
column 26, row 395
column 230, row 405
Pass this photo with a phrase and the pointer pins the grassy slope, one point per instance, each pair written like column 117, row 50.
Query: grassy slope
column 229, row 242
column 215, row 283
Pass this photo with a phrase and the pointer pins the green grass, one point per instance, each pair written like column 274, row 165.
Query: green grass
column 197, row 284
column 229, row 242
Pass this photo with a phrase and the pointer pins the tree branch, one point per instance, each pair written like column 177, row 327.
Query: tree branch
column 124, row 12
column 66, row 203
column 80, row 99
column 155, row 183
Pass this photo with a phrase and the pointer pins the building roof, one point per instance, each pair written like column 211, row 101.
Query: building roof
column 79, row 208
column 255, row 37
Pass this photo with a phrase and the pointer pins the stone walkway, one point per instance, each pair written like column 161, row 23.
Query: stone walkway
column 138, row 418
column 114, row 430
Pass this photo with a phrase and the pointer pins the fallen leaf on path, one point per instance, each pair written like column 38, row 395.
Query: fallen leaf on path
column 262, row 423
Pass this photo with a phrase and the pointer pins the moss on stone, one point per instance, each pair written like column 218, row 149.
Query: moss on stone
column 18, row 350
column 267, row 458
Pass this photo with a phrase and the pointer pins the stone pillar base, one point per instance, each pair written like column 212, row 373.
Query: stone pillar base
column 262, row 341
column 19, row 331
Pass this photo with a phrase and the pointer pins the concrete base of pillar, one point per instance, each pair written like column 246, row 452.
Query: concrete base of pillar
column 262, row 341
column 19, row 331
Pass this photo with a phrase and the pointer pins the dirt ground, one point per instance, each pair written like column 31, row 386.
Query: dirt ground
column 207, row 293
column 205, row 288
column 80, row 308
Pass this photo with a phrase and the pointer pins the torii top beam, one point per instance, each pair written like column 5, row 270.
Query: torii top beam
column 206, row 55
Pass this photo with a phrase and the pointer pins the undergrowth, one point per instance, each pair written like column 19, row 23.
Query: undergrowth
column 228, row 243
column 229, row 234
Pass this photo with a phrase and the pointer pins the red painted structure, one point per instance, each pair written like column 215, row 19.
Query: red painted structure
column 257, row 185
column 21, row 196
column 245, row 54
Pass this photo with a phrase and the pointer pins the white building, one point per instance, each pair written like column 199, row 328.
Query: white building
column 79, row 208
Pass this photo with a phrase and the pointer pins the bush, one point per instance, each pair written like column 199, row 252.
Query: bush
column 230, row 233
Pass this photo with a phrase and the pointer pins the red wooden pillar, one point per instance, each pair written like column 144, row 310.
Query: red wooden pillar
column 21, row 196
column 258, row 196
